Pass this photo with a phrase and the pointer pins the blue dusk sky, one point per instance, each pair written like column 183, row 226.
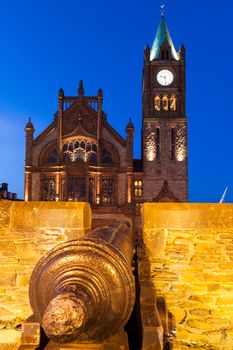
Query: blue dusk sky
column 48, row 44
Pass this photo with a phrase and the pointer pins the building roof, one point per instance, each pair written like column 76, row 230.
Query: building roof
column 162, row 36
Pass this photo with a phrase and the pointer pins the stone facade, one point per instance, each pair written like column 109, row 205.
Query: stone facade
column 191, row 252
column 80, row 157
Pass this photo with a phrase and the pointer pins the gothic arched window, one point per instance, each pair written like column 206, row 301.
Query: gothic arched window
column 157, row 143
column 107, row 190
column 76, row 188
column 48, row 189
column 173, row 103
column 165, row 103
column 79, row 151
column 50, row 157
column 173, row 142
column 91, row 157
column 157, row 103
column 107, row 157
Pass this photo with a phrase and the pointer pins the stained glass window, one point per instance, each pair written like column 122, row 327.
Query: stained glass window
column 107, row 190
column 48, row 189
column 80, row 151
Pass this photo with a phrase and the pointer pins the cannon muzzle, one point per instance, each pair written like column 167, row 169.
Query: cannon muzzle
column 83, row 290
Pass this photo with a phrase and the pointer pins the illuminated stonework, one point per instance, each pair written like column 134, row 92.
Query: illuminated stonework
column 173, row 103
column 27, row 231
column 150, row 147
column 150, row 140
column 190, row 251
column 181, row 143
column 157, row 103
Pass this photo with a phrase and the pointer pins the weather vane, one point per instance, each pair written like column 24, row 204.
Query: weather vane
column 162, row 9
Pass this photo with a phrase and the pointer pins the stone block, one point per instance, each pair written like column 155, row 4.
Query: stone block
column 32, row 215
column 187, row 216
column 9, row 339
column 30, row 333
column 199, row 312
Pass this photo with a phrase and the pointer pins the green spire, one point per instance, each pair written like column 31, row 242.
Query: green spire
column 162, row 35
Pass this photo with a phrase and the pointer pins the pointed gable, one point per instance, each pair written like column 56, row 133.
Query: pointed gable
column 165, row 194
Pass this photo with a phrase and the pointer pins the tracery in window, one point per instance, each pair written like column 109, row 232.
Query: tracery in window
column 107, row 157
column 138, row 188
column 165, row 103
column 76, row 188
column 173, row 102
column 173, row 143
column 79, row 151
column 48, row 189
column 107, row 190
column 157, row 103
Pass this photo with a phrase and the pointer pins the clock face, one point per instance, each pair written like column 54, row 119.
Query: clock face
column 165, row 77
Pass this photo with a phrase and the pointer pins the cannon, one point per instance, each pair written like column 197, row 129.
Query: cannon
column 84, row 290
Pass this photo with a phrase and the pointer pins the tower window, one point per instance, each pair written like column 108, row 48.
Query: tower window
column 165, row 103
column 138, row 188
column 157, row 103
column 173, row 103
column 157, row 143
column 165, row 55
column 173, row 143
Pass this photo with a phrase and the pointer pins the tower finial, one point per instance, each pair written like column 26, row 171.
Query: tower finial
column 162, row 9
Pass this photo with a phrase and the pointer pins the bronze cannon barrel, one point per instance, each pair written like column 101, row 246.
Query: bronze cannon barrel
column 83, row 290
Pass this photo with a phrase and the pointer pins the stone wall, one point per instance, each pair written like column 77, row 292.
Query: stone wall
column 157, row 170
column 190, row 247
column 36, row 187
column 121, row 189
column 27, row 231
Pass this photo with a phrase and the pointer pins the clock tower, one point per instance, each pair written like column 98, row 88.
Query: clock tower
column 164, row 129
